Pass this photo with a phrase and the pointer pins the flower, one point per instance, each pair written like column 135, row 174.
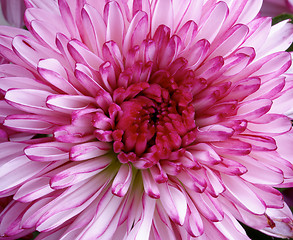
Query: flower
column 13, row 11
column 276, row 7
column 145, row 120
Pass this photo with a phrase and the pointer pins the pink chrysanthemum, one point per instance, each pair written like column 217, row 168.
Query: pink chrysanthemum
column 13, row 11
column 276, row 7
column 145, row 120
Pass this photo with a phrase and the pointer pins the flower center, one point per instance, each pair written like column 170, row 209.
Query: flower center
column 153, row 125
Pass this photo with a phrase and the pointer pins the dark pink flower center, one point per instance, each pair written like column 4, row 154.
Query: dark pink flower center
column 153, row 124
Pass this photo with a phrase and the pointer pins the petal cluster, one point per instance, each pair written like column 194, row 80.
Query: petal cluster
column 145, row 119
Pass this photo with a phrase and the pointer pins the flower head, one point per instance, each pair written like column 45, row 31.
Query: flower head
column 145, row 120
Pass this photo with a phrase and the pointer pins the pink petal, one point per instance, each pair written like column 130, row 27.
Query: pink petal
column 78, row 171
column 214, row 133
column 150, row 186
column 80, row 199
column 93, row 29
column 215, row 20
column 69, row 103
column 240, row 193
column 48, row 152
column 250, row 11
column 30, row 123
column 68, row 18
column 259, row 143
column 232, row 146
column 54, row 73
column 30, row 51
column 270, row 123
column 22, row 82
column 259, row 30
column 17, row 171
column 279, row 39
column 115, row 23
column 88, row 150
column 33, row 189
column 7, row 110
column 12, row 70
column 230, row 41
column 193, row 223
column 174, row 202
column 137, row 31
column 204, row 153
column 162, row 15
column 81, row 54
column 141, row 230
column 207, row 206
column 258, row 173
column 29, row 100
column 122, row 180
column 108, row 215
column 253, row 109
column 162, row 224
